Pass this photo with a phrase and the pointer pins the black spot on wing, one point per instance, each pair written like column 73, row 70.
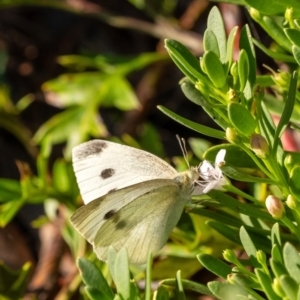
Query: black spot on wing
column 120, row 225
column 89, row 148
column 109, row 214
column 112, row 190
column 107, row 173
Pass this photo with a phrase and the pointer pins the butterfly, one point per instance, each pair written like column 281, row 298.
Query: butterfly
column 133, row 199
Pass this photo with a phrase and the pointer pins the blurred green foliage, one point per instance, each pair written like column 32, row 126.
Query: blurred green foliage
column 232, row 94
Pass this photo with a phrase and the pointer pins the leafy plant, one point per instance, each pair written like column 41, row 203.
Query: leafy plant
column 262, row 221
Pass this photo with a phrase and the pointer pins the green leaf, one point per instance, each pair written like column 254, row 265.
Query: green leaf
column 93, row 278
column 64, row 127
column 217, row 116
column 249, row 246
column 243, row 69
column 234, row 205
column 287, row 112
column 294, row 180
column 292, row 261
column 266, row 284
column 275, row 235
column 241, row 118
column 230, row 47
column 10, row 190
column 194, row 94
column 122, row 274
column 73, row 89
column 111, row 260
column 199, row 146
column 13, row 283
column 179, row 287
column 184, row 60
column 214, row 265
column 243, row 176
column 116, row 91
column 129, row 65
column 226, row 291
column 230, row 233
column 289, row 286
column 9, row 210
column 62, row 176
column 277, row 6
column 216, row 25
column 210, row 42
column 276, row 107
column 188, row 285
column 277, row 268
column 192, row 125
column 272, row 27
column 219, row 216
column 275, row 55
column 246, row 44
column 96, row 294
column 296, row 53
column 161, row 294
column 235, row 156
column 276, row 253
column 214, row 69
column 293, row 35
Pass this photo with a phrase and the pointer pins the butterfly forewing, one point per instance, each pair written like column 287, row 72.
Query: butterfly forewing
column 101, row 167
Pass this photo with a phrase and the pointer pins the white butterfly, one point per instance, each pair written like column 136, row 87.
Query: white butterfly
column 132, row 198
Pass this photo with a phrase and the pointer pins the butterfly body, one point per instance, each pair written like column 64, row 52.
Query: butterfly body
column 133, row 198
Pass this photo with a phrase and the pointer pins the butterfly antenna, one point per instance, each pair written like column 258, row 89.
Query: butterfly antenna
column 182, row 145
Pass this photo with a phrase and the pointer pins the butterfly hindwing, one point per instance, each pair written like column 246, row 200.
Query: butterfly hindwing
column 139, row 226
column 101, row 167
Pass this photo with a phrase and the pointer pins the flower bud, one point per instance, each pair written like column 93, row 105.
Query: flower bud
column 282, row 80
column 235, row 73
column 289, row 16
column 231, row 96
column 259, row 92
column 255, row 14
column 277, row 288
column 289, row 163
column 202, row 65
column 232, row 135
column 261, row 257
column 259, row 145
column 242, row 280
column 293, row 203
column 275, row 207
column 229, row 256
column 291, row 160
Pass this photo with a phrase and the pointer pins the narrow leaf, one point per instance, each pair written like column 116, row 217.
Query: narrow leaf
column 210, row 42
column 192, row 125
column 289, row 286
column 215, row 265
column 214, row 69
column 216, row 25
column 249, row 246
column 241, row 118
column 288, row 110
column 292, row 261
column 266, row 284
